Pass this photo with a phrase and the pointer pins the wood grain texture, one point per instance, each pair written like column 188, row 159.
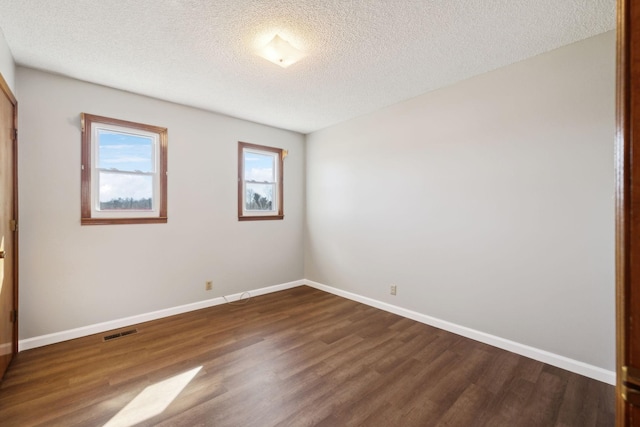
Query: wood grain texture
column 299, row 357
column 628, row 203
column 8, row 237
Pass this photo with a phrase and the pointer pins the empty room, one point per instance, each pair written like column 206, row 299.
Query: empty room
column 336, row 213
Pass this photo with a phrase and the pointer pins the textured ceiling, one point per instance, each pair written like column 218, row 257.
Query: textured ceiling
column 361, row 54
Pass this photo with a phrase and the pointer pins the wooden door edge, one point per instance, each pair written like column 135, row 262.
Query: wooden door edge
column 6, row 90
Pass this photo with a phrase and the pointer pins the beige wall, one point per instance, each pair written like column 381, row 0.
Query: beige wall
column 73, row 276
column 7, row 65
column 488, row 203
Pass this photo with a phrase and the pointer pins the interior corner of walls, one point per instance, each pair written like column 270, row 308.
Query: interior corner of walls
column 547, row 136
column 7, row 64
column 202, row 227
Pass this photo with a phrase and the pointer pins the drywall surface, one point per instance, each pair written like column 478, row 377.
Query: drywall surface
column 73, row 276
column 488, row 203
column 7, row 64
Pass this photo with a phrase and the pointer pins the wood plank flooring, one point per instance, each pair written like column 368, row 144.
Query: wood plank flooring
column 299, row 357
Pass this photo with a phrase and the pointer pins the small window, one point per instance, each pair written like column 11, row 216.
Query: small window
column 259, row 182
column 124, row 172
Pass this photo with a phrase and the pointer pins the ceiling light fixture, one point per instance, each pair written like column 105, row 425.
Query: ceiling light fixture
column 281, row 52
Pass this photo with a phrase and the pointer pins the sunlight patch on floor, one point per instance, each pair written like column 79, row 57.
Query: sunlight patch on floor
column 152, row 401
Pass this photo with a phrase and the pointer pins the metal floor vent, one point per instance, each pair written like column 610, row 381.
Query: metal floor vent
column 120, row 335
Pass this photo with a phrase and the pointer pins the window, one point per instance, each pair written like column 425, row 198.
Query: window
column 124, row 172
column 260, row 193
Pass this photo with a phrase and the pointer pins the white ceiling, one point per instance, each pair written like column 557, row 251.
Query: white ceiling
column 362, row 55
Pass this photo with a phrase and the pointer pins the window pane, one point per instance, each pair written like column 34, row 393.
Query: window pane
column 122, row 191
column 259, row 167
column 124, row 151
column 259, row 197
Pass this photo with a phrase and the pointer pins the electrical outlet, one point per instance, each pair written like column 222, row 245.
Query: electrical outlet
column 208, row 285
column 394, row 288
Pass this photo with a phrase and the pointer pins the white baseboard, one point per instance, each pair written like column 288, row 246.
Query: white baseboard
column 512, row 346
column 97, row 328
column 566, row 363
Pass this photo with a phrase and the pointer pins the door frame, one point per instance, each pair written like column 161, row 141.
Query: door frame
column 6, row 90
column 627, row 190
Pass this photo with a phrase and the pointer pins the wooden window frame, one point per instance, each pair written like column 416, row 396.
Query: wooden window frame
column 279, row 199
column 88, row 121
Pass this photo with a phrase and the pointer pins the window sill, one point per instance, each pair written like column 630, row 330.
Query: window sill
column 113, row 221
column 260, row 217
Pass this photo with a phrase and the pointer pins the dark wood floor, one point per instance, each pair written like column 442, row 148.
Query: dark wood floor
column 300, row 357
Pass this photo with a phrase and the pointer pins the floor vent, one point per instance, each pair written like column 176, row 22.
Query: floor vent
column 120, row 335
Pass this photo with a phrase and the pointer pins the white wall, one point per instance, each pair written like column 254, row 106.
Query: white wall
column 489, row 203
column 73, row 276
column 7, row 65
